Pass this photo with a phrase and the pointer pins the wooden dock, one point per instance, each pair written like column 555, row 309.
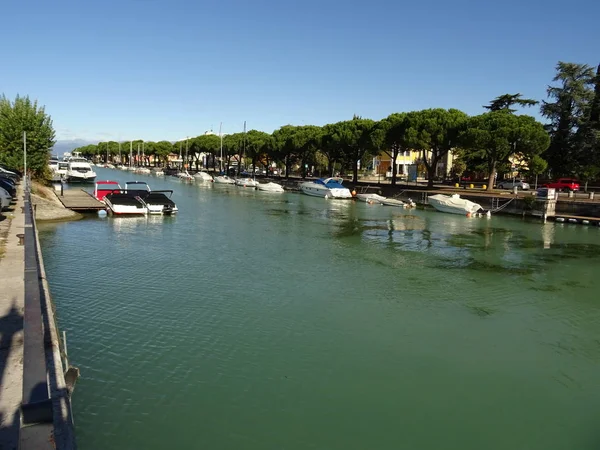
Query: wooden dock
column 79, row 200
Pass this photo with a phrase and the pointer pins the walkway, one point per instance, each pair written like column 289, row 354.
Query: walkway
column 11, row 324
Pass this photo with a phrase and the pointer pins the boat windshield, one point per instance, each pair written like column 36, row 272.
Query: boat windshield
column 334, row 185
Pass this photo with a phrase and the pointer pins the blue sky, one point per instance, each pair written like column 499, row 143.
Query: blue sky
column 154, row 69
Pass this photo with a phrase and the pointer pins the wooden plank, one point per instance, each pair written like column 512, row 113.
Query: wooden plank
column 78, row 199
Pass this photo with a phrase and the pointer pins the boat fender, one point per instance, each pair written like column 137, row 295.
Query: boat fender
column 468, row 214
column 353, row 193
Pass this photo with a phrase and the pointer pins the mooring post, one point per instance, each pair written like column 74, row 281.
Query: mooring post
column 61, row 188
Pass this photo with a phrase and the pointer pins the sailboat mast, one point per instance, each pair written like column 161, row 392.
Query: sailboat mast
column 130, row 152
column 107, row 153
column 138, row 155
column 120, row 161
column 243, row 150
column 221, row 159
column 187, row 140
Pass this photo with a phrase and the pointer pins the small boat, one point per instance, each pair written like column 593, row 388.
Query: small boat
column 453, row 204
column 246, row 182
column 124, row 204
column 393, row 202
column 143, row 170
column 157, row 202
column 158, row 172
column 203, row 175
column 270, row 187
column 103, row 188
column 224, row 179
column 326, row 188
column 370, row 198
column 184, row 175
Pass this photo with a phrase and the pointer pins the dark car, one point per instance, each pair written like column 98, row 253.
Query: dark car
column 10, row 169
column 8, row 187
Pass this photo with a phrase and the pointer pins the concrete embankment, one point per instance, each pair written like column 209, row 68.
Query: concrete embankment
column 31, row 353
column 48, row 207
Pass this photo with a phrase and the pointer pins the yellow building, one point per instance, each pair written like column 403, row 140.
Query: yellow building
column 382, row 163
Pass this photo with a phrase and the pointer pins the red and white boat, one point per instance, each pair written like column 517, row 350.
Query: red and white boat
column 119, row 201
column 105, row 187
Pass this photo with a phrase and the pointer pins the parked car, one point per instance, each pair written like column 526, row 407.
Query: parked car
column 564, row 184
column 6, row 184
column 5, row 199
column 10, row 169
column 510, row 184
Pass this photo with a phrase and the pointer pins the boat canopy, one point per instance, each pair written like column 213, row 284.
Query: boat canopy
column 332, row 183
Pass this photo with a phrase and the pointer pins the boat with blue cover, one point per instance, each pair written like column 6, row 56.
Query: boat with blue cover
column 326, row 188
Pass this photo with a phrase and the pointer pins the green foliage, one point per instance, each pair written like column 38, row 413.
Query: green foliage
column 506, row 101
column 496, row 136
column 434, row 132
column 537, row 165
column 24, row 115
column 567, row 113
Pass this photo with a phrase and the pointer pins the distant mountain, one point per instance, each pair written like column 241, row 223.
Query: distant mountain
column 68, row 145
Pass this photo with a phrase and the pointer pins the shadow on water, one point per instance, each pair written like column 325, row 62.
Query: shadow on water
column 10, row 325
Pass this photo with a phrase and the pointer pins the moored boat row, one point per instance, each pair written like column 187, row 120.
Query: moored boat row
column 136, row 198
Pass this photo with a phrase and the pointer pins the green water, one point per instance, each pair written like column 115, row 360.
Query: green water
column 267, row 321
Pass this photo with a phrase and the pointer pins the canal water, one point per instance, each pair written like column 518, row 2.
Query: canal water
column 281, row 321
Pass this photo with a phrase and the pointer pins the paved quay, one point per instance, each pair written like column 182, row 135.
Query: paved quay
column 11, row 323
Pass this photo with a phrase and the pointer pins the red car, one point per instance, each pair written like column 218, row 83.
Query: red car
column 564, row 184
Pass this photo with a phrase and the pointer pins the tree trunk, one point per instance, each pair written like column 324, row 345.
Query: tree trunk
column 394, row 166
column 492, row 168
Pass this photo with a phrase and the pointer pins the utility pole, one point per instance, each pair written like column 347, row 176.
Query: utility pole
column 25, row 157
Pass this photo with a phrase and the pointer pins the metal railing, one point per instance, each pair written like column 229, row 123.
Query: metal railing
column 39, row 421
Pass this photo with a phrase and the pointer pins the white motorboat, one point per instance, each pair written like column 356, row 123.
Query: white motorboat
column 246, row 182
column 326, row 188
column 393, row 202
column 184, row 175
column 453, row 204
column 157, row 202
column 79, row 170
column 203, row 175
column 224, row 179
column 270, row 187
column 143, row 170
column 53, row 164
column 370, row 198
column 158, row 172
column 123, row 204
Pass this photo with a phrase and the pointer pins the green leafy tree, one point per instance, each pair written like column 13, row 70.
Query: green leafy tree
column 330, row 146
column 537, row 166
column 25, row 115
column 498, row 135
column 256, row 142
column 507, row 101
column 434, row 132
column 353, row 138
column 394, row 128
column 566, row 111
column 162, row 150
column 206, row 144
column 285, row 146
